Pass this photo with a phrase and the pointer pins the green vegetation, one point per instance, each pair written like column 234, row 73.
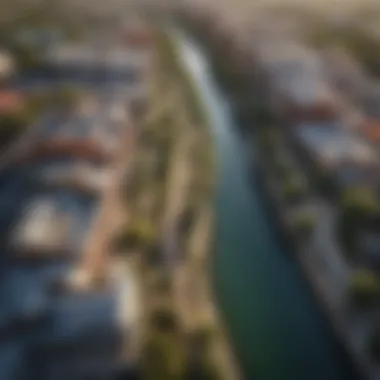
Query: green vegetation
column 364, row 289
column 164, row 357
column 164, row 320
column 162, row 283
column 202, row 366
column 294, row 189
column 356, row 207
column 139, row 234
column 304, row 224
column 357, row 203
column 282, row 169
column 170, row 345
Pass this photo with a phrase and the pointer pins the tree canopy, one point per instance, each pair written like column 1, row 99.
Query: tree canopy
column 365, row 288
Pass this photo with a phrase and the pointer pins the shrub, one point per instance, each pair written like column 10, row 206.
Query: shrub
column 267, row 137
column 304, row 224
column 357, row 203
column 294, row 189
column 356, row 206
column 136, row 235
column 202, row 337
column 282, row 168
column 162, row 283
column 163, row 357
column 164, row 319
column 364, row 289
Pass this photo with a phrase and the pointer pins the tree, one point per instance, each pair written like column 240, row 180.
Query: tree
column 164, row 319
column 364, row 289
column 186, row 220
column 356, row 207
column 282, row 168
column 358, row 202
column 162, row 283
column 268, row 137
column 294, row 189
column 304, row 224
column 202, row 337
column 163, row 357
column 202, row 364
column 136, row 235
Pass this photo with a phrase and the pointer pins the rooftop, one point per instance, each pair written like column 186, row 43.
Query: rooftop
column 334, row 145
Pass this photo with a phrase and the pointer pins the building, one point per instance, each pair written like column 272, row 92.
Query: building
column 82, row 341
column 43, row 232
column 333, row 150
column 343, row 72
column 298, row 88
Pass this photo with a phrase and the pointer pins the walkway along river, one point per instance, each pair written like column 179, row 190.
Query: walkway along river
column 274, row 322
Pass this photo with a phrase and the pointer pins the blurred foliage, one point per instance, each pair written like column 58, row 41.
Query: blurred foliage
column 364, row 289
column 139, row 234
column 359, row 202
column 357, row 205
column 282, row 168
column 164, row 320
column 305, row 223
column 294, row 189
column 163, row 357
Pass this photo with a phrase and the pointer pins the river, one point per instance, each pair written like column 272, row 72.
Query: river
column 275, row 324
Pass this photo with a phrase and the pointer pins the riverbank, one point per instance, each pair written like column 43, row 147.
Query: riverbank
column 169, row 228
column 282, row 212
column 290, row 220
column 200, row 267
column 267, row 270
column 278, row 208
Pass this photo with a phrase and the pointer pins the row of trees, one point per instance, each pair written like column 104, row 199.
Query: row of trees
column 168, row 354
column 358, row 206
column 365, row 289
column 294, row 188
